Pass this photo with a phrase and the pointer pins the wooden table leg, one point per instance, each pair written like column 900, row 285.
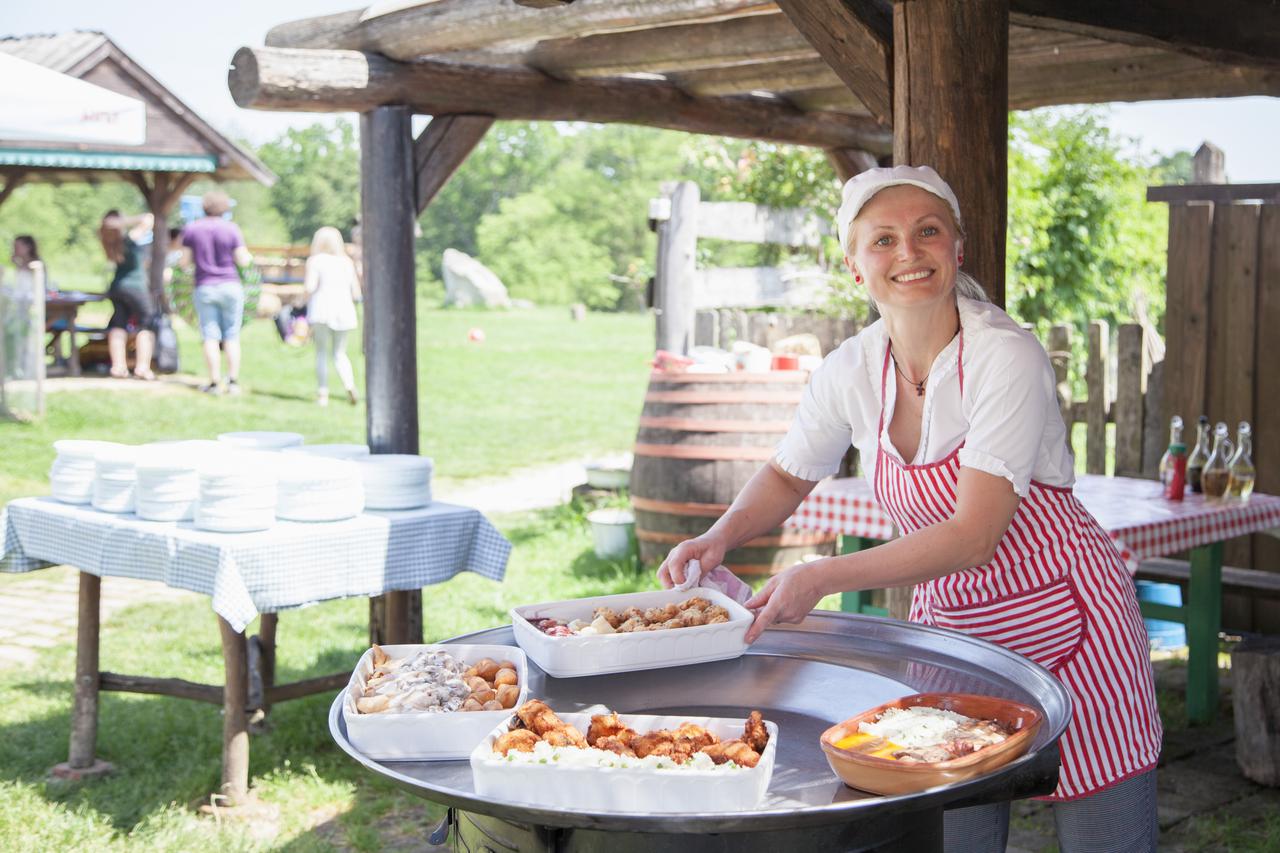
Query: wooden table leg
column 267, row 659
column 235, row 723
column 73, row 358
column 1204, row 617
column 81, row 762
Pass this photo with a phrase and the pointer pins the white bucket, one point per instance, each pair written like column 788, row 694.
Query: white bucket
column 611, row 532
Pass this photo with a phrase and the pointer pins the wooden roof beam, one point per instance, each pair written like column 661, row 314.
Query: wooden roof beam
column 663, row 50
column 777, row 77
column 341, row 80
column 424, row 28
column 1233, row 32
column 855, row 37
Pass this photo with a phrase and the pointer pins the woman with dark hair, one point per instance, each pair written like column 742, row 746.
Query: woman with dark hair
column 129, row 295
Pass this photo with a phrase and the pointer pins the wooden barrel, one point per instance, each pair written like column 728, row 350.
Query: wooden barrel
column 701, row 438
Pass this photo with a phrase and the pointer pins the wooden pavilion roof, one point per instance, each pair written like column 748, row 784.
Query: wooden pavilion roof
column 737, row 67
column 178, row 140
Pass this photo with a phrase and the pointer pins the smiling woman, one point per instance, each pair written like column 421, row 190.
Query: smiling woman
column 952, row 407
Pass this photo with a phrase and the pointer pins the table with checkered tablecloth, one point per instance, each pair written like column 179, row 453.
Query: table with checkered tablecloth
column 1141, row 524
column 289, row 565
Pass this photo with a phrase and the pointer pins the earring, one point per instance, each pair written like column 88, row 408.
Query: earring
column 960, row 258
column 857, row 278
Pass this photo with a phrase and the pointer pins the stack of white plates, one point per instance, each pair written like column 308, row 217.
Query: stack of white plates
column 114, row 478
column 313, row 488
column 333, row 451
column 237, row 493
column 396, row 481
column 71, row 477
column 261, row 440
column 168, row 481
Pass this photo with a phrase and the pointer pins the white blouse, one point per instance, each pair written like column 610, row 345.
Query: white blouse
column 331, row 283
column 1007, row 418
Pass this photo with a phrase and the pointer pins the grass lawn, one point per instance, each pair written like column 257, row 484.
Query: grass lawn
column 539, row 389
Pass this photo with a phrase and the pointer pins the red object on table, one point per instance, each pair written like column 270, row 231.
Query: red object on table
column 786, row 362
column 1177, row 484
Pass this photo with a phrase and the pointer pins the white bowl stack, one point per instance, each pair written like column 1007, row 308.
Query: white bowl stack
column 71, row 477
column 237, row 493
column 396, row 481
column 352, row 452
column 115, row 478
column 261, row 440
column 168, row 484
column 313, row 488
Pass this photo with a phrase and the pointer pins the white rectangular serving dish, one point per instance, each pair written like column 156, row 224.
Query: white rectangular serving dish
column 570, row 657
column 630, row 790
column 426, row 737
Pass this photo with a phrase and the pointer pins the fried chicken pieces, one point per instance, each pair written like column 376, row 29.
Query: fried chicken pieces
column 536, row 721
column 604, row 620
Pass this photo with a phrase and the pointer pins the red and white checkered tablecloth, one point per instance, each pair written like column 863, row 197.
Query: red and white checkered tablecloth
column 1138, row 519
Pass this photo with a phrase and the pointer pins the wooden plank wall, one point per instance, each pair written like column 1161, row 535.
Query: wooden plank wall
column 1222, row 312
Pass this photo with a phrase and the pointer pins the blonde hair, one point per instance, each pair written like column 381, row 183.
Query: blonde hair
column 215, row 203
column 328, row 241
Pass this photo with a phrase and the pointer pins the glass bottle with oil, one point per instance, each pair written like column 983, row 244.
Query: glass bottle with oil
column 1241, row 473
column 1217, row 470
column 1199, row 454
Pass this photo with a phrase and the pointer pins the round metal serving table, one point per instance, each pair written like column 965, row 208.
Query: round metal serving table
column 805, row 678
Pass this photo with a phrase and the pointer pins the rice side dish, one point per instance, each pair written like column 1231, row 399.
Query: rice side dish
column 913, row 727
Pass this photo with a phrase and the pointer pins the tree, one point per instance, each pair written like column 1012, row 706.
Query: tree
column 319, row 178
column 1083, row 243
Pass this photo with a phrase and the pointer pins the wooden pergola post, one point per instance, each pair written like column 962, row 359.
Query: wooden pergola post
column 161, row 193
column 388, row 212
column 677, row 267
column 951, row 112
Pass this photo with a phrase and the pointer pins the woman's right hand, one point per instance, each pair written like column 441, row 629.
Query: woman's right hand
column 707, row 549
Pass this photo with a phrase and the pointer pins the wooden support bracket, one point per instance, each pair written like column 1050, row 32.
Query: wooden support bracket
column 440, row 149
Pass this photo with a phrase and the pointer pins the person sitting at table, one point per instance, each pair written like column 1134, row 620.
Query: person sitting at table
column 129, row 293
column 30, row 282
column 951, row 405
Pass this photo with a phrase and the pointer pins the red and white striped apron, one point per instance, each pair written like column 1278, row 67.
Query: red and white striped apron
column 1056, row 592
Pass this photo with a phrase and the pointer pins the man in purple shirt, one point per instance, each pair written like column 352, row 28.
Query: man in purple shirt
column 216, row 247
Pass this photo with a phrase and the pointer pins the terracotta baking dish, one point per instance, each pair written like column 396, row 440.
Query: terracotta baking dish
column 889, row 776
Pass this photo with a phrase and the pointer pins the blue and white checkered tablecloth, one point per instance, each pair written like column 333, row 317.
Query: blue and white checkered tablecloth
column 289, row 565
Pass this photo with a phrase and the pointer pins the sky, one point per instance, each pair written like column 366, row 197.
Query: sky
column 188, row 49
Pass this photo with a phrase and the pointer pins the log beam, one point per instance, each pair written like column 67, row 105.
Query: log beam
column 440, row 149
column 855, row 37
column 950, row 112
column 849, row 162
column 440, row 26
column 1233, row 32
column 340, row 81
column 664, row 50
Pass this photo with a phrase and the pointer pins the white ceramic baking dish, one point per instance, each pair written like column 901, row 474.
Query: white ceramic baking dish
column 627, row 789
column 426, row 737
column 569, row 657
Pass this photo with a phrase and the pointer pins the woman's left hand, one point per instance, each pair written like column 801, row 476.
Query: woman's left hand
column 787, row 597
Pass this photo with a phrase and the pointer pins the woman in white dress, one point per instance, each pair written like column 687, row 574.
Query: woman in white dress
column 332, row 292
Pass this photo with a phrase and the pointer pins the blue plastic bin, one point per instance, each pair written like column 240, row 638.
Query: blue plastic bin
column 1162, row 634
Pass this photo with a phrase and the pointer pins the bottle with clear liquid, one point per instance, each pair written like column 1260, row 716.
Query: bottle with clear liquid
column 1199, row 454
column 1241, row 473
column 1173, row 465
column 1217, row 470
